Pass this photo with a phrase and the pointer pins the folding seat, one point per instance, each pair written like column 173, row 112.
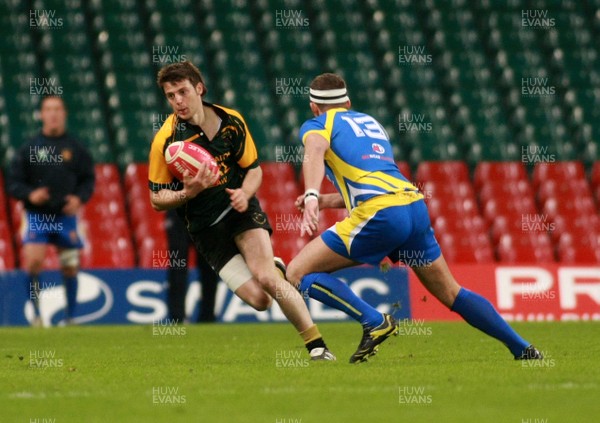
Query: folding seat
column 15, row 208
column 517, row 207
column 499, row 172
column 136, row 173
column 595, row 180
column 452, row 208
column 504, row 190
column 405, row 169
column 149, row 250
column 7, row 254
column 107, row 172
column 329, row 217
column 466, row 248
column 579, row 248
column 558, row 171
column 578, row 226
column 595, row 177
column 286, row 245
column 274, row 172
column 443, row 190
column 525, row 248
column 459, row 225
column 571, row 208
column 563, row 189
column 512, row 225
column 443, row 171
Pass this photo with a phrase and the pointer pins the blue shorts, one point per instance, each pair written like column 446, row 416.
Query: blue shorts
column 394, row 225
column 48, row 228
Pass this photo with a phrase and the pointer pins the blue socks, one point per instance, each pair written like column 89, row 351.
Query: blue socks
column 331, row 291
column 71, row 290
column 480, row 313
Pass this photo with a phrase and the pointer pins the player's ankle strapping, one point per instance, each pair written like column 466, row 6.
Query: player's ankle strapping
column 312, row 338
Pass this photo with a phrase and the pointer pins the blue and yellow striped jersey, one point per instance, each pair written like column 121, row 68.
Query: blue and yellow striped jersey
column 359, row 160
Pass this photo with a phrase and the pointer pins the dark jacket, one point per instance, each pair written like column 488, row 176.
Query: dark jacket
column 60, row 163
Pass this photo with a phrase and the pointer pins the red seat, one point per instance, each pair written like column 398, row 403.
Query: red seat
column 466, row 248
column 528, row 247
column 595, row 181
column 7, row 253
column 579, row 225
column 515, row 208
column 106, row 173
column 448, row 171
column 287, row 246
column 274, row 172
column 151, row 252
column 504, row 190
column 499, row 171
column 558, row 171
column 564, row 189
column 572, row 207
column 508, row 225
column 452, row 207
column 329, row 217
column 459, row 225
column 460, row 190
column 579, row 248
column 404, row 168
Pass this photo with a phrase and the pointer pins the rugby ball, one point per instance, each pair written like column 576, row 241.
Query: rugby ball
column 181, row 156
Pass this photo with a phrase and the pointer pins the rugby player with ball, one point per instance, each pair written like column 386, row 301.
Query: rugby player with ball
column 213, row 189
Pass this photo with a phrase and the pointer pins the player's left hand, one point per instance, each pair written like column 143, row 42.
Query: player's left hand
column 72, row 206
column 310, row 218
column 239, row 199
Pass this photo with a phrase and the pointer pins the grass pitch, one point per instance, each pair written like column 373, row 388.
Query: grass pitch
column 443, row 372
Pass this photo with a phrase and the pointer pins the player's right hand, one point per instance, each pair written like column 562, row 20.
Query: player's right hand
column 39, row 196
column 204, row 179
column 299, row 203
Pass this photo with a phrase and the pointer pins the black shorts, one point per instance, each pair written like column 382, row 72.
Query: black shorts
column 216, row 243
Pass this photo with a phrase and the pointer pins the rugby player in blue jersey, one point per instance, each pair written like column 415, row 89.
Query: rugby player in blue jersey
column 387, row 218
